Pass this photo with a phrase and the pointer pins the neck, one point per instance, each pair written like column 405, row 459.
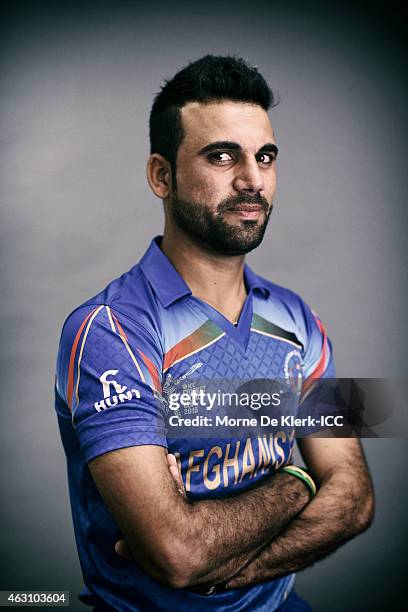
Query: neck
column 214, row 278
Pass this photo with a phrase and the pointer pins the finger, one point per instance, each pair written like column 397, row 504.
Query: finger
column 178, row 480
column 122, row 549
column 172, row 462
column 171, row 459
column 176, row 475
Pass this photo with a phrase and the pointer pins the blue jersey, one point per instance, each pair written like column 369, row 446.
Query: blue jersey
column 146, row 332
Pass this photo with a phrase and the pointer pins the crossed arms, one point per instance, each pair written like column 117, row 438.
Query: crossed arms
column 261, row 534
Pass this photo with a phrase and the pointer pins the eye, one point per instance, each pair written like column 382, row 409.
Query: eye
column 220, row 157
column 266, row 158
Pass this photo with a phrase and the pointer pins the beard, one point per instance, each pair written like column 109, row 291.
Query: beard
column 211, row 229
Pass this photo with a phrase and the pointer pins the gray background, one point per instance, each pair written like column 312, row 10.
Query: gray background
column 77, row 85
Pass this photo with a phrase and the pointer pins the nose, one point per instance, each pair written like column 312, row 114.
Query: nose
column 249, row 177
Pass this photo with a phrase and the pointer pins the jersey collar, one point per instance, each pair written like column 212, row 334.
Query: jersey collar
column 167, row 283
column 253, row 281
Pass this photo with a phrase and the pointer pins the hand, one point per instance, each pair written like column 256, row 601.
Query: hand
column 176, row 474
column 121, row 548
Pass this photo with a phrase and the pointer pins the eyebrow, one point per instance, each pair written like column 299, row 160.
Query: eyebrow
column 268, row 147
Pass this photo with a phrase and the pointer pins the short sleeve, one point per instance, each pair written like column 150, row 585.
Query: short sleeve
column 109, row 378
column 318, row 354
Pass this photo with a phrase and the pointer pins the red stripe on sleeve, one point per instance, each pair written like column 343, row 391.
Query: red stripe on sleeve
column 152, row 371
column 120, row 328
column 147, row 361
column 70, row 387
column 321, row 364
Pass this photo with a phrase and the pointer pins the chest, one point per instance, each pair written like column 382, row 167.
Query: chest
column 201, row 375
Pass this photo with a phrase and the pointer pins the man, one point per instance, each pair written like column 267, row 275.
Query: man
column 229, row 533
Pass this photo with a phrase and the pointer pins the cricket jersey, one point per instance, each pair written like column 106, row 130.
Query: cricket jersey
column 124, row 356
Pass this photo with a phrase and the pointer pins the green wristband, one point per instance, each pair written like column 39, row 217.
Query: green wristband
column 299, row 473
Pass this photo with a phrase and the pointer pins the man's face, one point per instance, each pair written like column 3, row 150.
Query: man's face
column 225, row 175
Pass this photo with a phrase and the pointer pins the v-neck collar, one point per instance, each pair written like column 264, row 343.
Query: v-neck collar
column 170, row 288
column 239, row 332
column 169, row 285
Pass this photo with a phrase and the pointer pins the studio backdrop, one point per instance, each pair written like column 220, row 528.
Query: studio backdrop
column 77, row 85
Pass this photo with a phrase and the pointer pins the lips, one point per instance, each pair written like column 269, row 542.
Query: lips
column 246, row 208
column 249, row 212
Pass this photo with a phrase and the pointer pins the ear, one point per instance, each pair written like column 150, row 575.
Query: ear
column 159, row 175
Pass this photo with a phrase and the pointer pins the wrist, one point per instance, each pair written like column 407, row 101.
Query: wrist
column 303, row 477
column 292, row 490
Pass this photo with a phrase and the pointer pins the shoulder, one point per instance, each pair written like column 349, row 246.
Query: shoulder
column 288, row 309
column 290, row 312
column 127, row 300
column 116, row 330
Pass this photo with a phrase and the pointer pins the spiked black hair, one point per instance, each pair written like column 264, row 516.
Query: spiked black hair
column 205, row 80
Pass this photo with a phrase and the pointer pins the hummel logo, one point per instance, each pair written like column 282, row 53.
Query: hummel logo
column 113, row 400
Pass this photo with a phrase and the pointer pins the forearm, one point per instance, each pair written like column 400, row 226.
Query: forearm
column 181, row 543
column 342, row 508
column 234, row 530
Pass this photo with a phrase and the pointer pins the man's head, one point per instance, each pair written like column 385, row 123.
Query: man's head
column 213, row 151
